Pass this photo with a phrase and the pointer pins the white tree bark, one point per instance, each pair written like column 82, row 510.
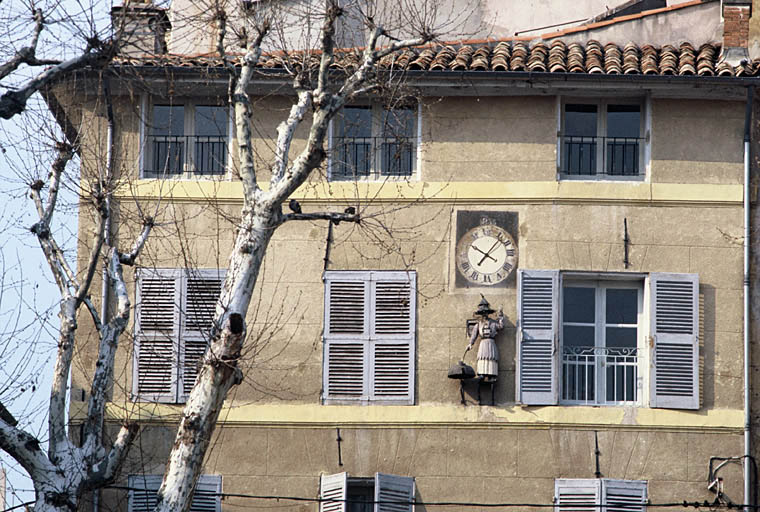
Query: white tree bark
column 261, row 215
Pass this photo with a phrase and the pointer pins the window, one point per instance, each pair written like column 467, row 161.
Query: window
column 175, row 309
column 383, row 493
column 593, row 495
column 601, row 355
column 369, row 336
column 599, row 339
column 601, row 139
column 143, row 489
column 186, row 140
column 372, row 142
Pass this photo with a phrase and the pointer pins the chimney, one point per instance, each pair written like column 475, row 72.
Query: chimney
column 736, row 14
column 140, row 28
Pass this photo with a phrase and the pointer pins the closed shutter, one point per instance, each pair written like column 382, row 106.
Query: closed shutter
column 393, row 493
column 624, row 496
column 674, row 316
column 537, row 312
column 157, row 326
column 392, row 335
column 346, row 335
column 201, row 293
column 333, row 490
column 575, row 495
column 144, row 488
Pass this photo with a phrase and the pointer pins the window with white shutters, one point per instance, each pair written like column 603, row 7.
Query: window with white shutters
column 383, row 493
column 584, row 338
column 600, row 495
column 174, row 314
column 143, row 497
column 369, row 336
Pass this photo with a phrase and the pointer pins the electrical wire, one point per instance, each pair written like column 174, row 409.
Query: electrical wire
column 682, row 504
column 19, row 506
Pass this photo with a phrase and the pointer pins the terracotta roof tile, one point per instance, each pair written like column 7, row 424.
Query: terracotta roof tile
column 540, row 56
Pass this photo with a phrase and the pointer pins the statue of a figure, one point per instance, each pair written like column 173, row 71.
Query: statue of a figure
column 487, row 328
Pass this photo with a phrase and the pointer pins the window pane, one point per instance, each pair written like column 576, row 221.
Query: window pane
column 580, row 120
column 210, row 121
column 355, row 122
column 578, row 304
column 398, row 122
column 623, row 120
column 575, row 336
column 168, row 120
column 622, row 306
column 620, row 337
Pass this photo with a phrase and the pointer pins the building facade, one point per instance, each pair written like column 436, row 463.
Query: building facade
column 592, row 191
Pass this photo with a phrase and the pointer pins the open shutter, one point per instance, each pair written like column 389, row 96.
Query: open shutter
column 157, row 326
column 576, row 495
column 392, row 335
column 393, row 493
column 201, row 293
column 624, row 495
column 144, row 489
column 207, row 494
column 537, row 352
column 346, row 336
column 333, row 488
column 142, row 493
column 674, row 374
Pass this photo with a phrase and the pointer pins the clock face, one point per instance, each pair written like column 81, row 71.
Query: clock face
column 486, row 255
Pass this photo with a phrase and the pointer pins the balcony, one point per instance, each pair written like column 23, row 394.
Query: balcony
column 601, row 156
column 372, row 157
column 599, row 375
column 193, row 155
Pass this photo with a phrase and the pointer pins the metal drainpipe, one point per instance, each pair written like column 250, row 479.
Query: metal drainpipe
column 747, row 420
column 107, row 228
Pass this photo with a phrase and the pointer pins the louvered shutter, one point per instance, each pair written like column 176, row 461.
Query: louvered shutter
column 201, row 293
column 333, row 488
column 537, row 333
column 144, row 489
column 392, row 335
column 157, row 326
column 624, row 495
column 674, row 380
column 576, row 495
column 393, row 493
column 346, row 336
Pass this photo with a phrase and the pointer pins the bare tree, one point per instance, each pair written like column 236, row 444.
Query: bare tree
column 64, row 471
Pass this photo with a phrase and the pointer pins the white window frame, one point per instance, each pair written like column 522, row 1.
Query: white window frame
column 602, row 105
column 600, row 286
column 350, row 369
column 177, row 341
column 143, row 491
column 189, row 105
column 600, row 494
column 668, row 338
column 376, row 134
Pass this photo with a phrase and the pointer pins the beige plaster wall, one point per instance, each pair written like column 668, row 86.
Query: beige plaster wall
column 491, row 465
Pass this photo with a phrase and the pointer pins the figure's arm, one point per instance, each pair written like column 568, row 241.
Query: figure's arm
column 500, row 319
column 473, row 336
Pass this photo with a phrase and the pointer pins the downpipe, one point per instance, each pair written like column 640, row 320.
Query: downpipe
column 747, row 418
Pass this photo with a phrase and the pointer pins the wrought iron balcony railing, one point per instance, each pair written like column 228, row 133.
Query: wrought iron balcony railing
column 599, row 375
column 188, row 154
column 372, row 157
column 606, row 156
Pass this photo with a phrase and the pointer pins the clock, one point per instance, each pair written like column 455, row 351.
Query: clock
column 485, row 252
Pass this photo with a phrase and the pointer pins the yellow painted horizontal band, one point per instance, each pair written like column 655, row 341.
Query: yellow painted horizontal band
column 458, row 192
column 438, row 416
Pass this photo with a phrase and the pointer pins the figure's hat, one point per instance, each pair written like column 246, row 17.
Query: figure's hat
column 484, row 308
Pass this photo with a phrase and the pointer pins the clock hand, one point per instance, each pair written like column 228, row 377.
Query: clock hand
column 488, row 254
column 485, row 255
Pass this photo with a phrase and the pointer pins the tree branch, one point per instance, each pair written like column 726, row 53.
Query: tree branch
column 130, row 257
column 25, row 449
column 285, row 133
column 14, row 102
column 335, row 218
column 105, row 472
column 26, row 54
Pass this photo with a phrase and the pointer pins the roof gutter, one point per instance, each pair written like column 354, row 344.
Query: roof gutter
column 746, row 327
